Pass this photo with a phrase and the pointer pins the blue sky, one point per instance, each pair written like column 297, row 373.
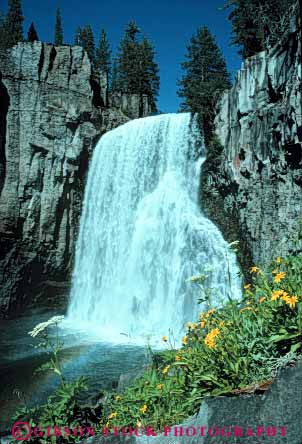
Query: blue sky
column 169, row 25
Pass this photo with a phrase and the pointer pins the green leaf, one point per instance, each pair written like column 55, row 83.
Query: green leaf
column 295, row 347
column 279, row 338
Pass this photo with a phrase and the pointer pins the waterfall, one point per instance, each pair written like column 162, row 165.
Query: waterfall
column 142, row 234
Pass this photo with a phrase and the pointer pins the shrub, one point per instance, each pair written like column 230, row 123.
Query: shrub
column 225, row 350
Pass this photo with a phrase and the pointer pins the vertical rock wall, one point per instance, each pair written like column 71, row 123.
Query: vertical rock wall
column 256, row 181
column 51, row 116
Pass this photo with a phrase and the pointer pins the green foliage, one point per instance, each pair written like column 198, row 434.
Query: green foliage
column 32, row 35
column 205, row 77
column 114, row 76
column 62, row 408
column 11, row 25
column 87, row 42
column 258, row 25
column 136, row 71
column 58, row 29
column 103, row 54
column 148, row 76
column 235, row 348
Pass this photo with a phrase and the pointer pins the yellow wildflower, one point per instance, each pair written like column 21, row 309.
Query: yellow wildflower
column 276, row 294
column 177, row 358
column 247, row 286
column 202, row 324
column 117, row 398
column 254, row 269
column 210, row 312
column 290, row 300
column 112, row 415
column 164, row 338
column 184, row 340
column 279, row 276
column 139, row 424
column 107, row 424
column 191, row 325
column 215, row 332
column 221, row 324
column 262, row 299
column 166, row 369
column 210, row 339
column 160, row 386
column 278, row 260
column 144, row 408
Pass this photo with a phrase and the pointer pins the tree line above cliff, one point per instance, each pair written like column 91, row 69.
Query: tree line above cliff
column 255, row 26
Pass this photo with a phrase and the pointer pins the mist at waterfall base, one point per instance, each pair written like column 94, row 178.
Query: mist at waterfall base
column 142, row 235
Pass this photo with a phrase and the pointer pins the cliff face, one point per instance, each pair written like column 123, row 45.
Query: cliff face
column 256, row 181
column 52, row 114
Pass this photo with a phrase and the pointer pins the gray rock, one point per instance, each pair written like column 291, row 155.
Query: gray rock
column 50, row 121
column 257, row 180
column 267, row 418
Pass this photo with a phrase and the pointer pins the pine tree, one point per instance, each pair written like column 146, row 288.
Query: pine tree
column 247, row 33
column 205, row 77
column 58, row 29
column 258, row 25
column 114, row 77
column 149, row 79
column 103, row 54
column 128, row 60
column 32, row 35
column 87, row 42
column 136, row 71
column 78, row 37
column 14, row 23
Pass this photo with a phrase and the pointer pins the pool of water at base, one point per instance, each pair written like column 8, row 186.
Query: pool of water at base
column 82, row 355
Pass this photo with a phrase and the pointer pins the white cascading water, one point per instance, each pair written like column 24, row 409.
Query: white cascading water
column 143, row 235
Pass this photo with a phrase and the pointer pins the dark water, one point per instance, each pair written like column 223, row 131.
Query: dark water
column 83, row 355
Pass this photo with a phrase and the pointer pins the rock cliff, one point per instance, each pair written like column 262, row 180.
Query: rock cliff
column 52, row 113
column 256, row 180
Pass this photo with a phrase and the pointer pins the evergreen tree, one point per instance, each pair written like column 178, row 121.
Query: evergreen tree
column 103, row 54
column 78, row 37
column 137, row 71
column 14, row 23
column 32, row 35
column 258, row 25
column 128, row 60
column 58, row 29
column 114, row 77
column 205, row 77
column 149, row 79
column 87, row 42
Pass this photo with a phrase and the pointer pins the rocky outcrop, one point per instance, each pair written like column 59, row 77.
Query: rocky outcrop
column 270, row 417
column 52, row 113
column 256, row 181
